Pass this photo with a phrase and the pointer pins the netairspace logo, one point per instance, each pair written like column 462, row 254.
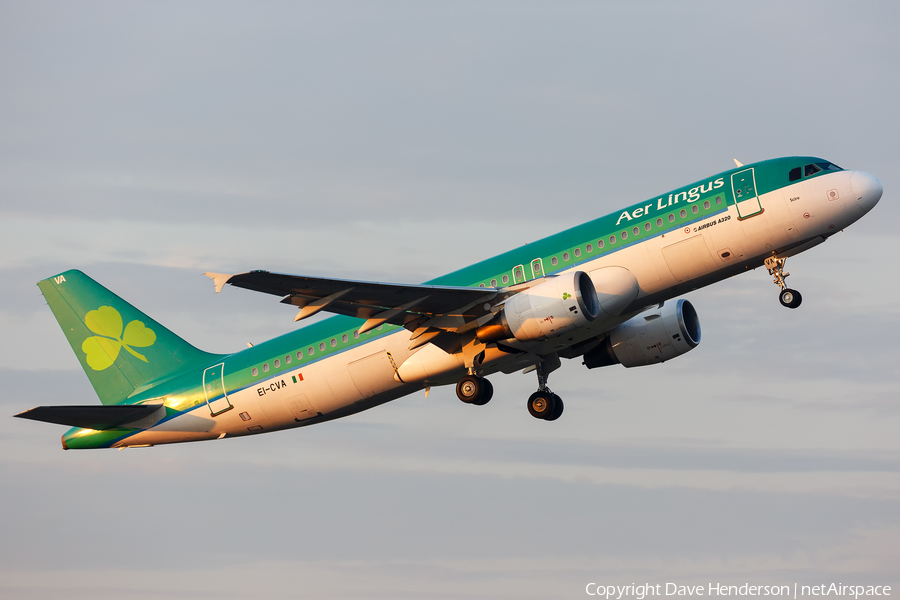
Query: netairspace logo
column 647, row 590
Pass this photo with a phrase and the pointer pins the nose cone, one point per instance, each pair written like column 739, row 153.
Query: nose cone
column 868, row 189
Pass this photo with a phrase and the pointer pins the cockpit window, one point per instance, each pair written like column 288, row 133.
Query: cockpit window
column 827, row 166
column 794, row 175
column 810, row 170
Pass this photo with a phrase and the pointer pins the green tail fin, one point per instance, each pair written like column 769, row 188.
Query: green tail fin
column 120, row 348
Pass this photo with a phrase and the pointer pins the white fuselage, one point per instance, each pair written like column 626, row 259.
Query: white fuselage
column 792, row 219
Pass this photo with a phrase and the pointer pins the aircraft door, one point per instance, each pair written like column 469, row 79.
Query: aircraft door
column 743, row 185
column 519, row 274
column 537, row 268
column 214, row 389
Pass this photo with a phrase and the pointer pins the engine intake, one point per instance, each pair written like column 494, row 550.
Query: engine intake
column 549, row 309
column 651, row 337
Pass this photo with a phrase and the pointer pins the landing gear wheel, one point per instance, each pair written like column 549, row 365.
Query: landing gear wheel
column 470, row 389
column 790, row 298
column 558, row 411
column 542, row 405
column 486, row 394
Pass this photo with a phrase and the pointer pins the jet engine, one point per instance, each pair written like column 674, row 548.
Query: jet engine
column 549, row 309
column 651, row 337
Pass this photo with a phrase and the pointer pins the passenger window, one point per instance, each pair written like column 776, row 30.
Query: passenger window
column 810, row 170
column 624, row 235
column 299, row 354
column 612, row 239
column 380, row 327
column 254, row 371
column 333, row 342
column 277, row 363
column 671, row 217
column 590, row 248
column 718, row 199
column 310, row 351
column 322, row 347
column 287, row 359
column 480, row 285
column 356, row 335
column 659, row 222
column 505, row 279
column 494, row 281
column 695, row 209
column 794, row 175
column 706, row 205
column 599, row 244
column 577, row 252
column 636, row 230
column 554, row 261
column 565, row 256
column 683, row 213
column 647, row 226
column 344, row 338
column 266, row 368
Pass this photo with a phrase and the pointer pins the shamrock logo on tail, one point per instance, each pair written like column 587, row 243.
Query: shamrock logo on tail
column 103, row 349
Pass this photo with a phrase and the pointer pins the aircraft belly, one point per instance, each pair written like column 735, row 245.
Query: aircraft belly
column 340, row 382
column 152, row 437
column 372, row 374
column 689, row 259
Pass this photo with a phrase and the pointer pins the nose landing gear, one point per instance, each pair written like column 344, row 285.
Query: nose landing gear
column 788, row 297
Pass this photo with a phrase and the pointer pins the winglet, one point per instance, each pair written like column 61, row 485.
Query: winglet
column 737, row 162
column 219, row 279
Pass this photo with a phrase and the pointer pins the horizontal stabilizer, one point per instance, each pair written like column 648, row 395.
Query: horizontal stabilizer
column 91, row 417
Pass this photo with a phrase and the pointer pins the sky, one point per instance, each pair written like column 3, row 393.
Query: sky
column 146, row 143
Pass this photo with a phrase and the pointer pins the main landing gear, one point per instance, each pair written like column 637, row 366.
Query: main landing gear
column 473, row 389
column 788, row 297
column 544, row 404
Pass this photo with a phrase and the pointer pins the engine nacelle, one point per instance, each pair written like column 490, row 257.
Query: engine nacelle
column 651, row 337
column 549, row 309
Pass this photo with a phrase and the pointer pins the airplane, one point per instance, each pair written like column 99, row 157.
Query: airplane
column 601, row 291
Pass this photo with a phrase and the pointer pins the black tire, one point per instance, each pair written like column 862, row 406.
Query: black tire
column 558, row 409
column 470, row 389
column 541, row 404
column 486, row 394
column 790, row 298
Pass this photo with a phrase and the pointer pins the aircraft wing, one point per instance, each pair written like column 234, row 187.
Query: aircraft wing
column 91, row 417
column 420, row 308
